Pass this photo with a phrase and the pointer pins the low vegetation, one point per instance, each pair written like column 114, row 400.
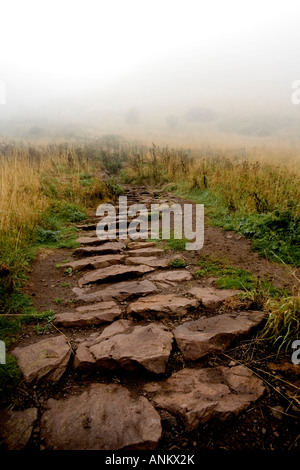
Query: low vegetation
column 255, row 193
column 46, row 190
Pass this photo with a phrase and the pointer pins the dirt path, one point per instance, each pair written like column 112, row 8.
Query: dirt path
column 142, row 355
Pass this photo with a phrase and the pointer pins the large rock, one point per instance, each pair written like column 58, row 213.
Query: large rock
column 16, row 427
column 113, row 273
column 210, row 297
column 120, row 291
column 161, row 305
column 148, row 261
column 47, row 359
column 105, row 417
column 104, row 249
column 128, row 346
column 171, row 278
column 94, row 262
column 151, row 251
column 198, row 395
column 213, row 335
column 95, row 314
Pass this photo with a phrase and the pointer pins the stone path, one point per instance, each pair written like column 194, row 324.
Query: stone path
column 133, row 312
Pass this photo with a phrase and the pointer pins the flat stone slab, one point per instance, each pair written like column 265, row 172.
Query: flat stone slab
column 124, row 345
column 138, row 245
column 104, row 249
column 89, row 240
column 120, row 291
column 113, row 273
column 151, row 251
column 105, row 417
column 212, row 298
column 95, row 314
column 198, row 395
column 16, row 427
column 148, row 261
column 95, row 262
column 47, row 359
column 213, row 335
column 161, row 305
column 171, row 278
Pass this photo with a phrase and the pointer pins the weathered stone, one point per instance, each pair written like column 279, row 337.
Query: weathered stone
column 16, row 427
column 197, row 395
column 95, row 262
column 105, row 417
column 171, row 278
column 151, row 251
column 47, row 359
column 96, row 314
column 124, row 345
column 89, row 240
column 213, row 335
column 104, row 249
column 113, row 273
column 210, row 297
column 148, row 261
column 138, row 245
column 120, row 291
column 161, row 305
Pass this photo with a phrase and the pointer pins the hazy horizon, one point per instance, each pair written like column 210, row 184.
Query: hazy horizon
column 169, row 64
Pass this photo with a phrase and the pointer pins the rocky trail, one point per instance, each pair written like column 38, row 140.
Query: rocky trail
column 142, row 355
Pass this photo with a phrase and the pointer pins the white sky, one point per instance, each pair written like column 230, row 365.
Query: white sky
column 64, row 45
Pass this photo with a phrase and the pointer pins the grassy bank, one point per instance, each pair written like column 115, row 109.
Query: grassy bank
column 257, row 197
column 261, row 200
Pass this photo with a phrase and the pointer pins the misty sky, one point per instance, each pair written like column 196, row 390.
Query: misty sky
column 142, row 53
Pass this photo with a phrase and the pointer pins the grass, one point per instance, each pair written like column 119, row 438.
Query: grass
column 44, row 192
column 177, row 263
column 254, row 197
column 228, row 277
column 283, row 323
column 10, row 375
column 255, row 193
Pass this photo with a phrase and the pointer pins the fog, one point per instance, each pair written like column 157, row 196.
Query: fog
column 149, row 68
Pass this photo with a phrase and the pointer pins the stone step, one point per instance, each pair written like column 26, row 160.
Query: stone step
column 46, row 359
column 212, row 298
column 213, row 335
column 95, row 314
column 87, row 227
column 106, row 248
column 149, row 251
column 103, row 417
column 124, row 345
column 120, row 291
column 148, row 261
column 162, row 305
column 113, row 273
column 171, row 278
column 90, row 241
column 95, row 262
column 138, row 245
column 198, row 395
